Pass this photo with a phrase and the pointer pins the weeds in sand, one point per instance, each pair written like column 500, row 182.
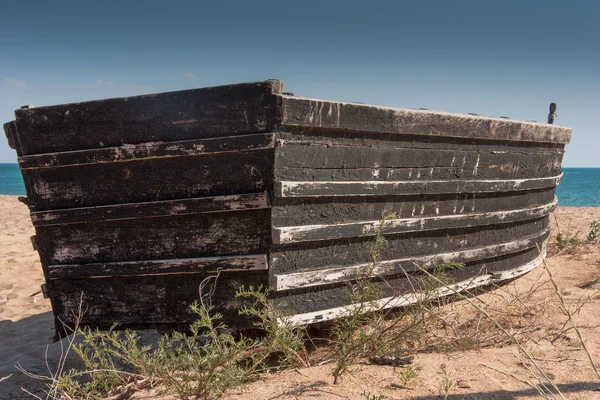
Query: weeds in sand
column 368, row 396
column 567, row 313
column 350, row 342
column 202, row 364
column 566, row 243
column 407, row 375
column 594, row 232
column 279, row 335
column 368, row 330
column 547, row 385
column 54, row 378
column 563, row 242
column 212, row 358
column 448, row 382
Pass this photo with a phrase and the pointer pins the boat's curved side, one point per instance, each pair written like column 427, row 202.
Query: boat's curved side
column 447, row 289
column 453, row 189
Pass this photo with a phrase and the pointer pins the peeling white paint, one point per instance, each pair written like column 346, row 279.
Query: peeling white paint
column 308, row 233
column 329, row 275
column 408, row 299
column 369, row 188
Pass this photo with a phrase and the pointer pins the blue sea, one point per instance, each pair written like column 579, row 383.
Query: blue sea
column 580, row 187
column 11, row 181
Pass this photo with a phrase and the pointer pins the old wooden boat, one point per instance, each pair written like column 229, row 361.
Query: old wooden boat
column 137, row 200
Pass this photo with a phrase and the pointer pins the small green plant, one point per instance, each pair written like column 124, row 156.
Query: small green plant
column 368, row 396
column 448, row 382
column 408, row 375
column 594, row 233
column 563, row 241
column 279, row 335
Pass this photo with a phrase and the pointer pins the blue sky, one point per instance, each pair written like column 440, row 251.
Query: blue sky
column 495, row 58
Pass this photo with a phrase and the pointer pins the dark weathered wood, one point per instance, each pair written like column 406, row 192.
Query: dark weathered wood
column 146, row 301
column 330, row 210
column 491, row 279
column 365, row 118
column 186, row 236
column 154, row 209
column 154, row 179
column 160, row 267
column 310, row 256
column 310, row 233
column 10, row 129
column 319, row 299
column 213, row 146
column 386, row 188
column 137, row 200
column 422, row 161
column 486, row 172
column 332, row 275
column 338, row 137
column 189, row 114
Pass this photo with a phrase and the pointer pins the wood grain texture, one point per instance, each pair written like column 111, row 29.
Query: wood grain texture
column 155, row 179
column 330, row 210
column 327, row 276
column 309, row 233
column 184, row 236
column 184, row 115
column 147, row 150
column 379, row 188
column 309, row 256
column 302, row 112
column 402, row 300
column 339, row 137
column 10, row 130
column 418, row 163
column 154, row 209
column 160, row 267
column 318, row 298
column 147, row 301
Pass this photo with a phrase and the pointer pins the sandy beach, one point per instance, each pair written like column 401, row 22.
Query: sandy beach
column 26, row 328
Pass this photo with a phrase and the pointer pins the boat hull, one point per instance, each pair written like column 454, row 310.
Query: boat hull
column 137, row 201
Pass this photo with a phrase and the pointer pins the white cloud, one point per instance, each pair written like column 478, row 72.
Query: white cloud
column 14, row 83
column 191, row 76
column 104, row 83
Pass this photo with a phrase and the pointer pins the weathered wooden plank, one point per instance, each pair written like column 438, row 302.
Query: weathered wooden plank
column 337, row 137
column 146, row 301
column 155, row 179
column 309, row 233
column 10, row 130
column 327, row 276
column 141, row 151
column 183, row 115
column 185, row 236
column 303, row 112
column 402, row 300
column 154, row 209
column 492, row 171
column 306, row 256
column 423, row 161
column 329, row 210
column 379, row 188
column 255, row 262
